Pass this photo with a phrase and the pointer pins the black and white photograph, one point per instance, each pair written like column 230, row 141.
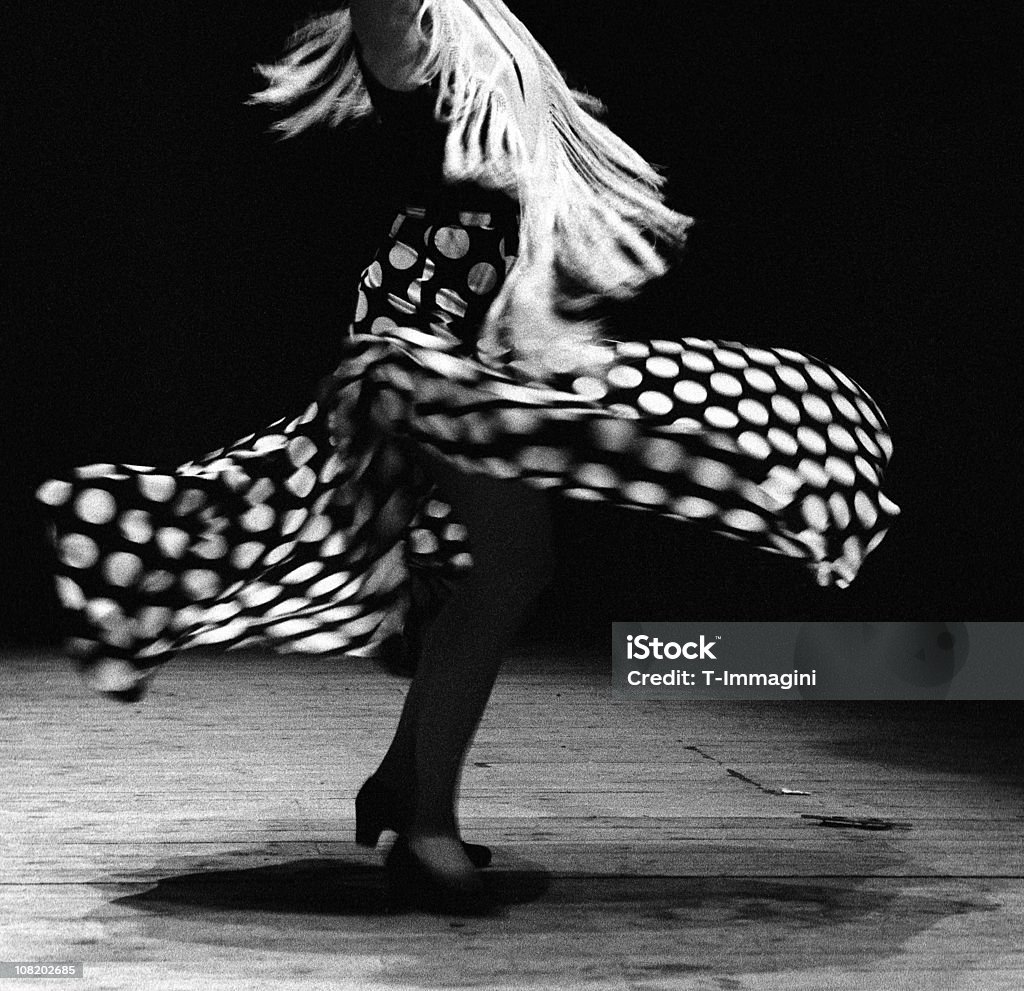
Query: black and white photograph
column 511, row 495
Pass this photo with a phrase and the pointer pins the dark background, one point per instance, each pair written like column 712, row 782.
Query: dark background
column 176, row 278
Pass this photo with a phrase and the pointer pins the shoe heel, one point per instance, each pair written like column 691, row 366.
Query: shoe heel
column 371, row 820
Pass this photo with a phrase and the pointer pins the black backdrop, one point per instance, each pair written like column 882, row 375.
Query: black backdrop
column 176, row 278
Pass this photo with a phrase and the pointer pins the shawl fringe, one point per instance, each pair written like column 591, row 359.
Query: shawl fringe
column 593, row 222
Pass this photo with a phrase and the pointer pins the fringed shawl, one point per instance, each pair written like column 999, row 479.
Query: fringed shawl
column 593, row 223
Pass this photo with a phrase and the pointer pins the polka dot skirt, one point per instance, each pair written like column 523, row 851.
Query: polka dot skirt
column 305, row 535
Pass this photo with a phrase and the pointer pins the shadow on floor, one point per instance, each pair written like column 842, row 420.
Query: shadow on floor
column 653, row 930
column 328, row 887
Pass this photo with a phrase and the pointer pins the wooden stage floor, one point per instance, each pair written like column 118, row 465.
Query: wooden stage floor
column 203, row 839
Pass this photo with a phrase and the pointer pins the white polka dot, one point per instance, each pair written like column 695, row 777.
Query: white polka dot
column 866, row 469
column 753, row 412
column 96, row 471
column 782, row 441
column 293, row 520
column 868, row 442
column 726, row 385
column 589, row 388
column 260, row 491
column 302, row 481
column 269, row 442
column 761, row 356
column 189, row 501
column 842, row 471
column 754, row 444
column 632, row 349
column 846, row 407
column 885, row 443
column 362, row 306
column 887, row 505
column 815, row 512
column 331, row 469
column 549, row 460
column 624, row 377
column 693, row 507
column 320, row 643
column 700, row 342
column 277, row 554
column 122, row 568
column 785, row 409
column 258, row 594
column 811, row 440
column 869, row 413
column 790, row 355
column 111, row 674
column 54, row 492
column 325, row 586
column 613, row 435
column 596, row 476
column 69, row 593
column 645, row 493
column 95, row 506
column 717, row 416
column 840, row 510
column 200, row 583
column 223, row 634
column 257, row 519
column 373, row 276
column 760, row 380
column 864, row 509
column 136, row 526
column 664, row 368
column 730, row 359
column 246, row 555
column 813, row 473
column 690, row 392
column 456, row 532
column 587, row 495
column 743, row 519
column 102, row 611
column 451, row 242
column 791, row 377
column 172, row 541
column 402, row 256
column 222, row 612
column 667, row 347
column 817, row 408
column 698, row 362
column 156, row 581
column 655, row 403
column 841, row 437
column 711, row 474
column 662, row 455
column 301, row 450
column 423, row 542
column 212, row 547
column 383, row 325
column 153, row 620
column 303, row 573
column 78, row 550
column 483, row 277
column 821, row 377
column 317, row 529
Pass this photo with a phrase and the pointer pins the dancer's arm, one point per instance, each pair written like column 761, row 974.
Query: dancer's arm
column 389, row 35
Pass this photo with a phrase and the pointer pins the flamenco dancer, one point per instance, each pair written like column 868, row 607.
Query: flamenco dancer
column 474, row 377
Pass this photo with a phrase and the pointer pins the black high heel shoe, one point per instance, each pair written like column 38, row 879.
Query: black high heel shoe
column 412, row 884
column 378, row 808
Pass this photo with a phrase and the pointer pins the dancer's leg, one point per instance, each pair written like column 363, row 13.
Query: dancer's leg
column 509, row 530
